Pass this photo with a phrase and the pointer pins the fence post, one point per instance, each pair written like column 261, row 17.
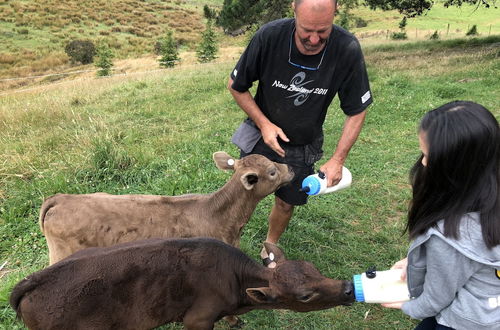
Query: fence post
column 448, row 29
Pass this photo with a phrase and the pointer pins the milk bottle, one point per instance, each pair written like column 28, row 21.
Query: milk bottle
column 380, row 287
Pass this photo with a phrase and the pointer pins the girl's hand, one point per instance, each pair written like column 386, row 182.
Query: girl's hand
column 396, row 305
column 401, row 264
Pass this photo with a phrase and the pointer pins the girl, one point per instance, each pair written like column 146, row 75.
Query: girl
column 453, row 264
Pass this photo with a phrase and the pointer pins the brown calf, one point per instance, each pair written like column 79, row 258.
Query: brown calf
column 145, row 284
column 73, row 222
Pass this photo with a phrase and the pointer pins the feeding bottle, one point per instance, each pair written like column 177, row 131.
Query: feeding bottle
column 315, row 184
column 380, row 287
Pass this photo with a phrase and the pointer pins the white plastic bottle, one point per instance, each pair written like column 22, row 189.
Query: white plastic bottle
column 315, row 184
column 380, row 287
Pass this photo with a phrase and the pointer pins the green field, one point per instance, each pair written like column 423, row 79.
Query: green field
column 154, row 133
column 450, row 22
column 33, row 34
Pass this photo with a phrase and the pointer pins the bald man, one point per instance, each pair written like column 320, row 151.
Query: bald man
column 300, row 65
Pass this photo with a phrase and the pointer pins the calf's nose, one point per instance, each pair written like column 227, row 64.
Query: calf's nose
column 348, row 293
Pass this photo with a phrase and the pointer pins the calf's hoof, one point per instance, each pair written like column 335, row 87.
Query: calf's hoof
column 234, row 322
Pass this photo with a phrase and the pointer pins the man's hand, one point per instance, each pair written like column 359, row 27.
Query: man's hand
column 270, row 134
column 333, row 171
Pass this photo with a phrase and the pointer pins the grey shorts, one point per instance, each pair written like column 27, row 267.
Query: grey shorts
column 300, row 158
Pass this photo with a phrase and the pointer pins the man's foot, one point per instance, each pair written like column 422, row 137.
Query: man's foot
column 267, row 260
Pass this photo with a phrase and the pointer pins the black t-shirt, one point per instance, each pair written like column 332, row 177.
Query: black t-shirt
column 297, row 99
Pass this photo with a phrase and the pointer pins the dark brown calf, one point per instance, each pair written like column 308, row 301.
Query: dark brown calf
column 74, row 222
column 144, row 284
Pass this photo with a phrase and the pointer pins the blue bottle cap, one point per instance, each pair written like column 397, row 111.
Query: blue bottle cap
column 311, row 185
column 358, row 288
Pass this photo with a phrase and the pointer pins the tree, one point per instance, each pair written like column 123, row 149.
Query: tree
column 412, row 8
column 82, row 51
column 239, row 14
column 104, row 60
column 168, row 51
column 207, row 49
column 472, row 31
column 402, row 33
column 209, row 13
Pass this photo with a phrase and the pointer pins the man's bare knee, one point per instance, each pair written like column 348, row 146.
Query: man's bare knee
column 283, row 206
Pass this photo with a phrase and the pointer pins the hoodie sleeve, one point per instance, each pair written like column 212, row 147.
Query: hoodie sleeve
column 447, row 270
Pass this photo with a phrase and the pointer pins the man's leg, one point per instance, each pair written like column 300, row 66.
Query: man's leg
column 280, row 216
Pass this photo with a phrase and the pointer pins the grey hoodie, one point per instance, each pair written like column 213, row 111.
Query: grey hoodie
column 455, row 280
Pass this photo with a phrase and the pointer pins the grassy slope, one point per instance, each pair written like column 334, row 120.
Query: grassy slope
column 155, row 133
column 460, row 20
column 33, row 33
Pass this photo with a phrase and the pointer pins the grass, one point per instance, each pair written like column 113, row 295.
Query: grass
column 155, row 133
column 33, row 34
column 452, row 22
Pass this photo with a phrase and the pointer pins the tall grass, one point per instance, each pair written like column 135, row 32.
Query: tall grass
column 155, row 134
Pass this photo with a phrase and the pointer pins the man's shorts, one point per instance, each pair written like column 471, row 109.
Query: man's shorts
column 295, row 157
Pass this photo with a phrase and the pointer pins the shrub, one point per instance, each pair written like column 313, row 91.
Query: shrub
column 472, row 31
column 209, row 13
column 168, row 51
column 82, row 51
column 434, row 36
column 104, row 60
column 359, row 22
column 207, row 49
column 399, row 35
column 402, row 24
column 344, row 18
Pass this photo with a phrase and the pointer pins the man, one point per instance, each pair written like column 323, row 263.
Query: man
column 301, row 64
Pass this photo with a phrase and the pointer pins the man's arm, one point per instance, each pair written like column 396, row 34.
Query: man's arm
column 269, row 131
column 333, row 167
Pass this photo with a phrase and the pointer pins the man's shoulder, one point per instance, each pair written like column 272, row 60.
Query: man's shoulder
column 344, row 38
column 276, row 28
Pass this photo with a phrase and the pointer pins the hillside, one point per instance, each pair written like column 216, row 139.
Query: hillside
column 33, row 34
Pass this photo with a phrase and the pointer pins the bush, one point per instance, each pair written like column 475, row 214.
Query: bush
column 343, row 20
column 399, row 36
column 82, row 51
column 472, row 31
column 359, row 22
column 209, row 13
column 207, row 49
column 168, row 50
column 434, row 36
column 104, row 60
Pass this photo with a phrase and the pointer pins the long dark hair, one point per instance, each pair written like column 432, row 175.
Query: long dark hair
column 462, row 172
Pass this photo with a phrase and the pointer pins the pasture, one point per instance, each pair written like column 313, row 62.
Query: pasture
column 154, row 133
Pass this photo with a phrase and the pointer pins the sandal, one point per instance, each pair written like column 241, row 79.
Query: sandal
column 267, row 260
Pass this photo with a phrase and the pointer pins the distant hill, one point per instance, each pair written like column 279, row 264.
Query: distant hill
column 33, row 33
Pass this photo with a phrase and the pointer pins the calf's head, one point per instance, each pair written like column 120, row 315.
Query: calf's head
column 299, row 286
column 257, row 173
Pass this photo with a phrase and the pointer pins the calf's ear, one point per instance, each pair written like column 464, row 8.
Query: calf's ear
column 223, row 161
column 249, row 179
column 277, row 253
column 262, row 295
